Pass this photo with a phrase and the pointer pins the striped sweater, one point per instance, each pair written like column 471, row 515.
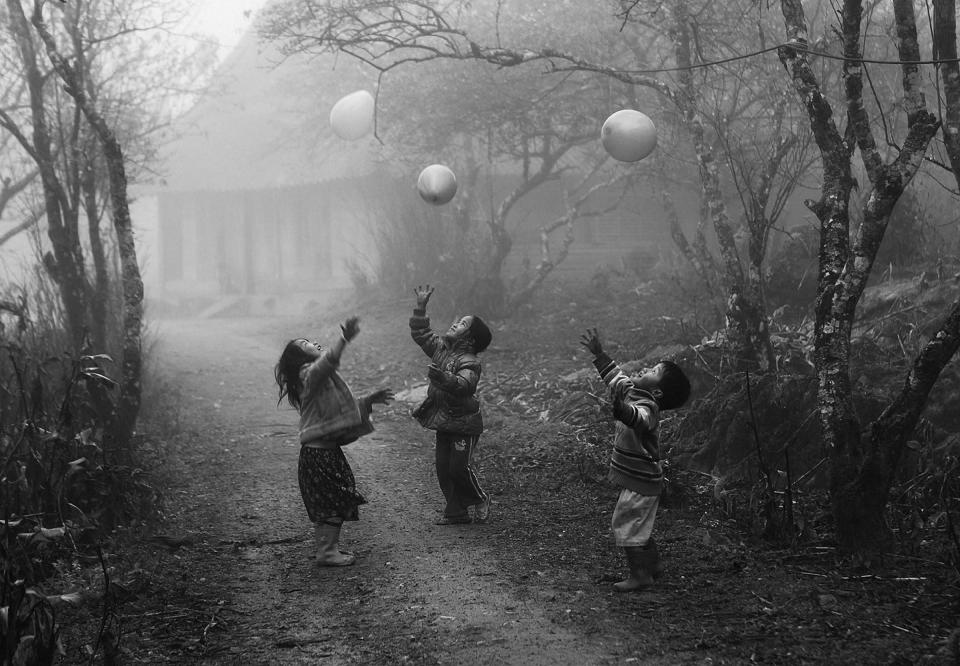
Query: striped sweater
column 635, row 461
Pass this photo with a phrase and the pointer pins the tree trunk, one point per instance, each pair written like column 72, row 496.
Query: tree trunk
column 861, row 493
column 489, row 290
column 702, row 263
column 945, row 47
column 859, row 499
column 862, row 468
column 65, row 266
column 746, row 317
column 131, row 384
column 128, row 405
column 100, row 293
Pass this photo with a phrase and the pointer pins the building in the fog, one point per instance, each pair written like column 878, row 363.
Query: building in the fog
column 257, row 204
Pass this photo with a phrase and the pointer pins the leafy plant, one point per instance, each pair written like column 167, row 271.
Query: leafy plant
column 60, row 485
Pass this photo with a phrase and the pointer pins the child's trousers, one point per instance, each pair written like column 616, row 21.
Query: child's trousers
column 633, row 518
column 459, row 484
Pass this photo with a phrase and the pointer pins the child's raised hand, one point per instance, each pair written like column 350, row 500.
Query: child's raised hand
column 423, row 295
column 350, row 328
column 591, row 340
column 381, row 397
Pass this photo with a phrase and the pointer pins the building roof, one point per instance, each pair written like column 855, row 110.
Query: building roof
column 264, row 122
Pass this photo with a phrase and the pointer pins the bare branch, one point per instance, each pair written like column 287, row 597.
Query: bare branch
column 30, row 221
column 10, row 188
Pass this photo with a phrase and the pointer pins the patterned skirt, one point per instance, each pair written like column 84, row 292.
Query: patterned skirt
column 327, row 485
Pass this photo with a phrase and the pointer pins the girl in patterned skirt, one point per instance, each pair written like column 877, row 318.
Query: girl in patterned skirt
column 330, row 417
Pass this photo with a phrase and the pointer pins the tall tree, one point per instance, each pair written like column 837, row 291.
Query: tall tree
column 65, row 264
column 864, row 459
column 93, row 84
column 73, row 77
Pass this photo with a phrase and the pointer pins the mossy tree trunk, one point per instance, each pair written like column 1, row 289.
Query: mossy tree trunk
column 863, row 460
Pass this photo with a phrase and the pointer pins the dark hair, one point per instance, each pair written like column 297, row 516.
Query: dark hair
column 481, row 334
column 287, row 372
column 674, row 385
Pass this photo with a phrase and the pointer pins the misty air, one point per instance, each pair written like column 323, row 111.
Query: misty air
column 479, row 332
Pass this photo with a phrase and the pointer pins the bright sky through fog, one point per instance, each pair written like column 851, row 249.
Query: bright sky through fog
column 226, row 20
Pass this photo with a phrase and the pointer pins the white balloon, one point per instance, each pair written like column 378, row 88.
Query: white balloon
column 628, row 135
column 437, row 184
column 351, row 118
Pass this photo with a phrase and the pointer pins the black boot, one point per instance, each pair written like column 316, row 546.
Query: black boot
column 637, row 562
column 654, row 563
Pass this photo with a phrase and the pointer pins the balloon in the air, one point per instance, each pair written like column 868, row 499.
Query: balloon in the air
column 351, row 118
column 628, row 135
column 437, row 184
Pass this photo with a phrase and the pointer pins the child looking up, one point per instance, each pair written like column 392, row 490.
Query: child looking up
column 451, row 407
column 330, row 417
column 635, row 460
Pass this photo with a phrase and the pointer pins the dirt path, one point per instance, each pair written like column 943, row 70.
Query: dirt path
column 531, row 588
column 419, row 593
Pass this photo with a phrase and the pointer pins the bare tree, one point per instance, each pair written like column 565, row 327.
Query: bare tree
column 128, row 405
column 508, row 134
column 65, row 264
column 93, row 86
column 387, row 34
column 864, row 460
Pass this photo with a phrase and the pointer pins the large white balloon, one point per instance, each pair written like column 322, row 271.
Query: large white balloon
column 437, row 184
column 352, row 117
column 628, row 135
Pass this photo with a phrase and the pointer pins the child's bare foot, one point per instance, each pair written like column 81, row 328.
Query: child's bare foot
column 335, row 559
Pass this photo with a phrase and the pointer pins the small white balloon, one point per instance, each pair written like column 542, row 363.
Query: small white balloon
column 437, row 184
column 628, row 135
column 351, row 118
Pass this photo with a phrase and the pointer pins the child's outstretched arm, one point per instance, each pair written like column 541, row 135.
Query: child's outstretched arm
column 348, row 331
column 609, row 371
column 423, row 297
column 420, row 331
column 378, row 397
column 328, row 362
column 635, row 410
column 591, row 340
column 630, row 406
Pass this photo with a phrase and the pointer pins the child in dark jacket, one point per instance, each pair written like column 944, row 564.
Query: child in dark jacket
column 330, row 417
column 635, row 460
column 451, row 407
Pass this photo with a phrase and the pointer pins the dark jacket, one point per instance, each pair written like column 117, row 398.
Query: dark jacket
column 451, row 405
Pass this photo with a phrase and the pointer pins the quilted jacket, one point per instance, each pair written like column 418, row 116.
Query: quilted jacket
column 450, row 405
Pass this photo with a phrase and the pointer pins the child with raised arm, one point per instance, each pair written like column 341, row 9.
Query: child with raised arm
column 451, row 407
column 330, row 417
column 635, row 460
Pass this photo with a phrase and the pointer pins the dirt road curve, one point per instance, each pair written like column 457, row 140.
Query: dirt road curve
column 419, row 593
